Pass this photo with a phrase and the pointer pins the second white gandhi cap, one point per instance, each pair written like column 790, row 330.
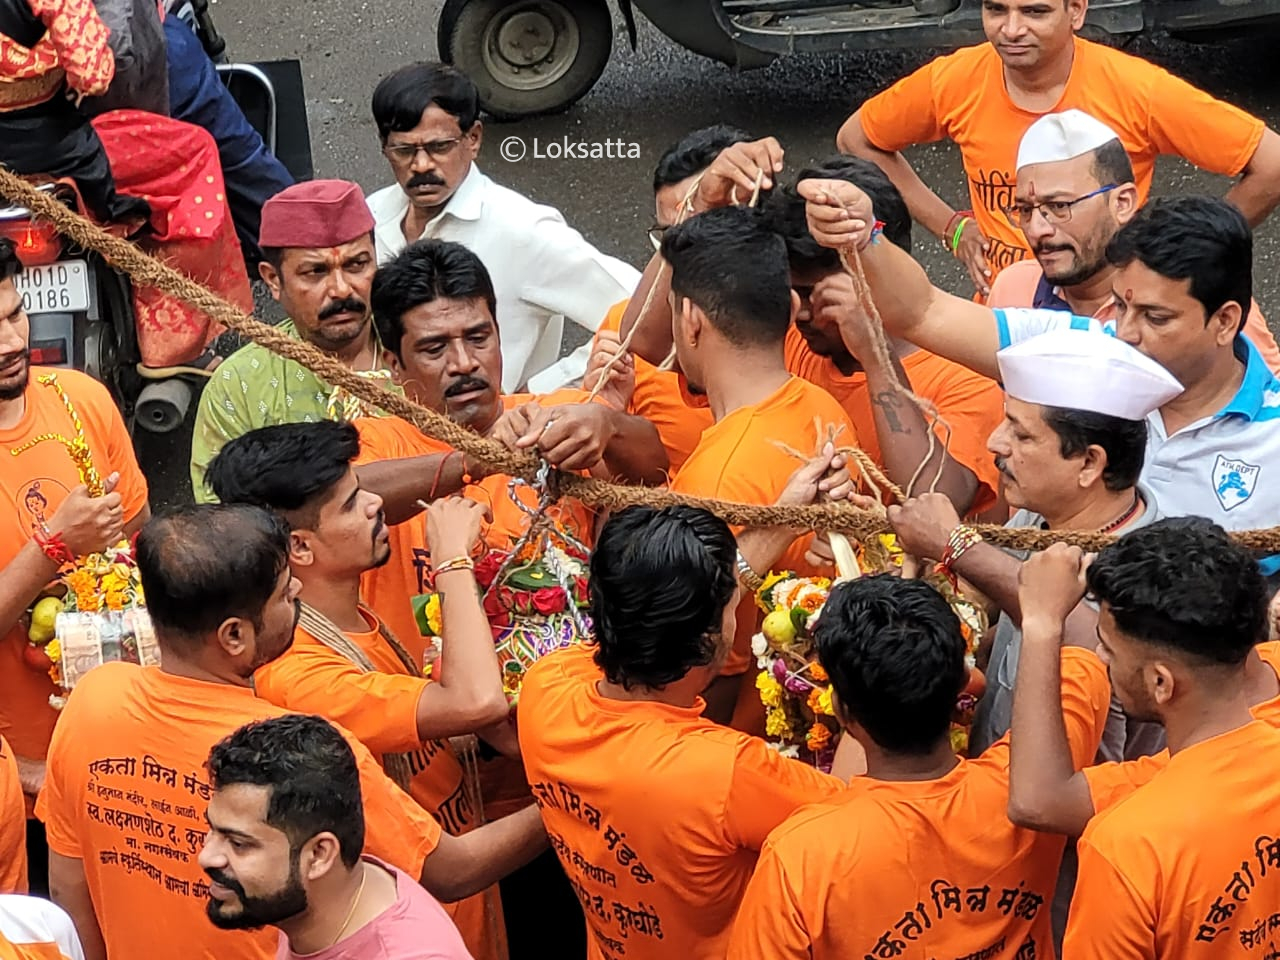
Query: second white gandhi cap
column 1062, row 136
column 1086, row 370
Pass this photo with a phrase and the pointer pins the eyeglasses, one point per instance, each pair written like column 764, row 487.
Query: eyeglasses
column 1053, row 211
column 403, row 153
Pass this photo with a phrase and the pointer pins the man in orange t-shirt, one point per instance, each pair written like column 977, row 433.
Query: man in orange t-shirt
column 1187, row 863
column 46, row 498
column 13, row 818
column 656, row 813
column 644, row 390
column 655, row 394
column 126, row 792
column 1075, row 191
column 434, row 308
column 984, row 97
column 344, row 664
column 729, row 345
column 916, row 858
column 833, row 344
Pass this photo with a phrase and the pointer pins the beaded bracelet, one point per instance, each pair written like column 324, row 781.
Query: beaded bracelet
column 958, row 543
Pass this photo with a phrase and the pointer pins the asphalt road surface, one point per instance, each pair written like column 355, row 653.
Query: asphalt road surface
column 649, row 98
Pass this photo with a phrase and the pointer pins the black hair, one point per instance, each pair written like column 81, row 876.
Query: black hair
column 785, row 211
column 204, row 563
column 291, row 468
column 734, row 268
column 1111, row 164
column 424, row 272
column 1123, row 441
column 693, row 153
column 402, row 97
column 894, row 651
column 660, row 581
column 1183, row 584
column 273, row 256
column 1205, row 240
column 10, row 265
column 311, row 772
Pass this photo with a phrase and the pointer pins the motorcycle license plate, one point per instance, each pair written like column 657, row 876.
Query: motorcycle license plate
column 61, row 287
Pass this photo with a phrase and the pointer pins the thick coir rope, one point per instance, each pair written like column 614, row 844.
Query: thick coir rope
column 858, row 524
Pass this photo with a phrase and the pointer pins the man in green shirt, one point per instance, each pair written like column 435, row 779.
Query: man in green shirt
column 317, row 238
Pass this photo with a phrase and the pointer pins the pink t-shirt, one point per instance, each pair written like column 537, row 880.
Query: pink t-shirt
column 415, row 927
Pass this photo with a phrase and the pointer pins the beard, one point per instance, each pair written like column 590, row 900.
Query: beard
column 1085, row 264
column 16, row 385
column 255, row 912
column 265, row 653
column 381, row 551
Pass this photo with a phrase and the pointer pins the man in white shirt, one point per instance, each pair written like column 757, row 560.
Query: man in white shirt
column 1182, row 283
column 544, row 271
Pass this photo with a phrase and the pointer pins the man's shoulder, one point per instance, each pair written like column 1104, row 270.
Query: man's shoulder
column 1015, row 285
column 1093, row 57
column 568, row 668
column 512, row 205
column 386, row 202
column 833, row 827
column 100, row 692
column 391, row 437
column 816, row 397
column 250, row 357
column 89, row 396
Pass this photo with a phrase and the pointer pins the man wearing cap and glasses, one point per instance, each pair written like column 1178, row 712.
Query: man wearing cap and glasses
column 1184, row 272
column 545, row 271
column 317, row 238
column 1075, row 191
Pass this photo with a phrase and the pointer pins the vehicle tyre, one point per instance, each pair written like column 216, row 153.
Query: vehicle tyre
column 527, row 57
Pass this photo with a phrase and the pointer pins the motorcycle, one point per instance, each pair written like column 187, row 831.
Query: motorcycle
column 530, row 57
column 81, row 309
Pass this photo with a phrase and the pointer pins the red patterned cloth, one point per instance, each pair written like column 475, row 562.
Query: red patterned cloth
column 75, row 42
column 174, row 167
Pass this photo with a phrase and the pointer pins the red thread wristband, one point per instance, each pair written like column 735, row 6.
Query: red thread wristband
column 53, row 547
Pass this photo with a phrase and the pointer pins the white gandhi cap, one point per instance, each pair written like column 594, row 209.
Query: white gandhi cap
column 1086, row 370
column 1062, row 136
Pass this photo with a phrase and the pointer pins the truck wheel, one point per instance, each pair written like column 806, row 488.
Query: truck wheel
column 530, row 56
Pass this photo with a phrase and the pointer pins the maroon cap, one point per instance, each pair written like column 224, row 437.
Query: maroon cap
column 317, row 213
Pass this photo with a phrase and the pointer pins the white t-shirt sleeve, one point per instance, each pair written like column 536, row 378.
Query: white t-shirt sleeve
column 1016, row 324
column 31, row 920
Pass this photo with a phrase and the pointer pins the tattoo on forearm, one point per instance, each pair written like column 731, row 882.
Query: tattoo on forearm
column 890, row 403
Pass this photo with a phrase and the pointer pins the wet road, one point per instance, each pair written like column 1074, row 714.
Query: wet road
column 649, row 98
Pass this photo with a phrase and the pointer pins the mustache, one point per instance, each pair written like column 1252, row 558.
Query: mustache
column 423, row 180
column 345, row 305
column 218, row 877
column 8, row 358
column 466, row 385
column 1002, row 464
column 380, row 525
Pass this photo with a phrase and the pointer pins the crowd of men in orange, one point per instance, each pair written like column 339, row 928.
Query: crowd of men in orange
column 306, row 774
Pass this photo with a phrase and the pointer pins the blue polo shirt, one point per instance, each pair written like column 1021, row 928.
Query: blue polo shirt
column 1225, row 466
